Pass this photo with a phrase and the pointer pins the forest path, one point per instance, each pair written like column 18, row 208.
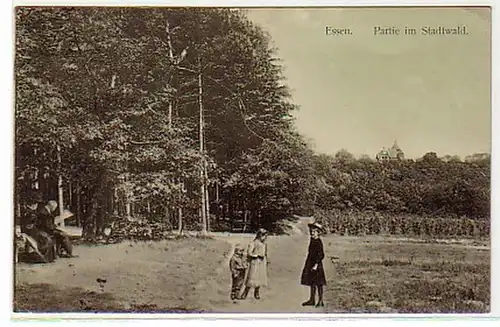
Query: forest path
column 189, row 273
column 284, row 294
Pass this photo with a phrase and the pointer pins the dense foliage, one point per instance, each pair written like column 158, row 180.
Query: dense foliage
column 128, row 106
column 363, row 196
column 429, row 186
column 132, row 110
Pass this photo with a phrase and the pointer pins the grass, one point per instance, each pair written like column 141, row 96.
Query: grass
column 48, row 298
column 407, row 278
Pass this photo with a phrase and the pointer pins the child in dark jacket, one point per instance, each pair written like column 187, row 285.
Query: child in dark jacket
column 238, row 266
column 313, row 274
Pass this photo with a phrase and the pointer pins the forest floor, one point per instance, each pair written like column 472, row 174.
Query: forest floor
column 365, row 275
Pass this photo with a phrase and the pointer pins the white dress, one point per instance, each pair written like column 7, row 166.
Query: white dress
column 257, row 267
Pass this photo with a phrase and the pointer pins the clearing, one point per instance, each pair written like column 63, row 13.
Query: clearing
column 365, row 274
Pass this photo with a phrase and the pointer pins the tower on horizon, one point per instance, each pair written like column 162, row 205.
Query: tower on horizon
column 393, row 153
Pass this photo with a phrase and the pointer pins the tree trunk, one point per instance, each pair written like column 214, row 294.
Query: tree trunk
column 171, row 55
column 166, row 218
column 59, row 185
column 95, row 216
column 18, row 208
column 179, row 209
column 170, row 107
column 78, row 204
column 217, row 190
column 180, row 227
column 207, row 197
column 207, row 204
column 128, row 208
column 102, row 197
column 35, row 182
column 202, row 150
column 89, row 220
column 245, row 219
column 70, row 194
column 114, row 200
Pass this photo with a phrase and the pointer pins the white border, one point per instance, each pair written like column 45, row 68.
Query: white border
column 7, row 128
column 258, row 3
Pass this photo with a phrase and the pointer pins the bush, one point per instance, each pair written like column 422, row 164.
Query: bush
column 220, row 225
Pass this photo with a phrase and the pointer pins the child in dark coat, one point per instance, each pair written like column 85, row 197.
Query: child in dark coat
column 238, row 266
column 313, row 274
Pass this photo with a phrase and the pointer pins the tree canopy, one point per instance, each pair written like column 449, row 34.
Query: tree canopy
column 145, row 107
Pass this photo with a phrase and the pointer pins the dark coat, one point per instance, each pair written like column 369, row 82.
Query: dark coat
column 45, row 219
column 237, row 263
column 34, row 223
column 315, row 255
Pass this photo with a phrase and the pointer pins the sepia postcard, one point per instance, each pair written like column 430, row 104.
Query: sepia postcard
column 191, row 160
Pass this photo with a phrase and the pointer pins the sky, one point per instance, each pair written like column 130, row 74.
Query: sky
column 362, row 92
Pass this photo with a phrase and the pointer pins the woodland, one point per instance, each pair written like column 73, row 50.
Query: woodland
column 181, row 118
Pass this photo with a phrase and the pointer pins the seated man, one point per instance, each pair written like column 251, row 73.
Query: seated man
column 44, row 243
column 45, row 222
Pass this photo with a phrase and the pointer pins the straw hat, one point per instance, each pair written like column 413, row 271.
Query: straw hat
column 315, row 225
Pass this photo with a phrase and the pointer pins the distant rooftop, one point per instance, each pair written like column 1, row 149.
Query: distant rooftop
column 393, row 153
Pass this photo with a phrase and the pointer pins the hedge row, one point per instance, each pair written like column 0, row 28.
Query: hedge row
column 365, row 223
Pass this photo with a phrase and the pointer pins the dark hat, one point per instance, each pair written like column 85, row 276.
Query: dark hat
column 36, row 196
column 315, row 225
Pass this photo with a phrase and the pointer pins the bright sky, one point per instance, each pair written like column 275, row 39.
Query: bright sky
column 361, row 92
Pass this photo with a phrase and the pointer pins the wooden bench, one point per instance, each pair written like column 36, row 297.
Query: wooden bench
column 72, row 231
column 239, row 226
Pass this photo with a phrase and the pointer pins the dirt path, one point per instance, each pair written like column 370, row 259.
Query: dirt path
column 166, row 274
column 190, row 273
column 284, row 293
column 147, row 273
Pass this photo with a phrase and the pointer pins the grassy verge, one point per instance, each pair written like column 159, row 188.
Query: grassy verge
column 408, row 278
